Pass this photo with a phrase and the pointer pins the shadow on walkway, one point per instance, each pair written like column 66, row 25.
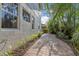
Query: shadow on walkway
column 49, row 45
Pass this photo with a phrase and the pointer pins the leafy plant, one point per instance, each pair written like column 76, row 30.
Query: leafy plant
column 52, row 26
column 60, row 35
column 64, row 19
column 44, row 28
column 39, row 34
column 75, row 40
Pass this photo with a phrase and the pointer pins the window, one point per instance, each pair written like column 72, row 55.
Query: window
column 26, row 16
column 33, row 22
column 39, row 27
column 9, row 15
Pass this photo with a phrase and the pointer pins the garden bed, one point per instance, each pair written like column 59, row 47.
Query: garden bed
column 20, row 51
column 24, row 46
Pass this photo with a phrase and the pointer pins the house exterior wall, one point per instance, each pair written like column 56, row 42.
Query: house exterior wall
column 24, row 28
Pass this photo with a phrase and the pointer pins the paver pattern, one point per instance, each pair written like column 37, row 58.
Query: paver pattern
column 49, row 45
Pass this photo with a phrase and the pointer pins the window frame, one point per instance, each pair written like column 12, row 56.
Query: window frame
column 33, row 22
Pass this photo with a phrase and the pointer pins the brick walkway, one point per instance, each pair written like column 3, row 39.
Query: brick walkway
column 49, row 45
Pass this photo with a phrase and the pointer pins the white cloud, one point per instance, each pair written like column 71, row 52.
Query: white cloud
column 44, row 19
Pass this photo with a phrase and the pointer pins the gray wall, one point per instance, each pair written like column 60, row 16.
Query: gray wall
column 24, row 28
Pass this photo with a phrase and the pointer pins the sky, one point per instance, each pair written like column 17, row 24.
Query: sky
column 44, row 17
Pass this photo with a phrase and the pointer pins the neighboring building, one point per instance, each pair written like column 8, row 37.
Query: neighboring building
column 18, row 21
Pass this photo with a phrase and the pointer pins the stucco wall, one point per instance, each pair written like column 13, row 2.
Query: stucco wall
column 24, row 28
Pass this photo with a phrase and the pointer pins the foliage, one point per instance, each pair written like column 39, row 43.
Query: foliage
column 77, row 29
column 21, row 44
column 8, row 53
column 39, row 34
column 44, row 28
column 34, row 36
column 75, row 40
column 65, row 22
column 60, row 35
column 64, row 19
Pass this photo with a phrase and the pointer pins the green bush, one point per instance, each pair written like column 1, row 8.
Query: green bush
column 50, row 27
column 9, row 53
column 75, row 40
column 34, row 36
column 39, row 34
column 53, row 26
column 60, row 35
column 44, row 28
column 77, row 29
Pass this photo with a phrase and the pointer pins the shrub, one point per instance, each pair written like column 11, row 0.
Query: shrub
column 39, row 34
column 77, row 29
column 9, row 53
column 60, row 35
column 35, row 36
column 75, row 40
column 53, row 26
column 44, row 28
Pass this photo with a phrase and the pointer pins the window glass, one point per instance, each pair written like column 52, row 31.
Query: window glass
column 26, row 16
column 9, row 15
column 10, row 7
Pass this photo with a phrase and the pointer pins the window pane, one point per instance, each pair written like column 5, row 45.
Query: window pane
column 10, row 7
column 26, row 16
column 9, row 16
